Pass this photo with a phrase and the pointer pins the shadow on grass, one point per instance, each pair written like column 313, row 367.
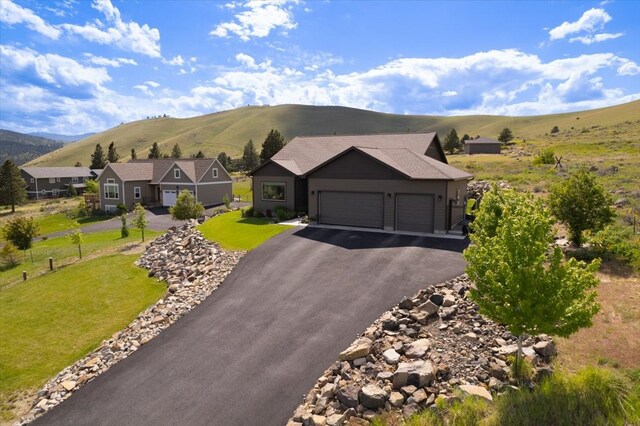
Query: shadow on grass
column 256, row 221
column 93, row 219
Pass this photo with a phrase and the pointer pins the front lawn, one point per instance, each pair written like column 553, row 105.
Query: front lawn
column 49, row 322
column 234, row 232
column 62, row 222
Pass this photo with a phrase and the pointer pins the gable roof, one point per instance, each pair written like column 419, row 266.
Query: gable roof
column 57, row 172
column 154, row 170
column 483, row 141
column 305, row 153
column 408, row 163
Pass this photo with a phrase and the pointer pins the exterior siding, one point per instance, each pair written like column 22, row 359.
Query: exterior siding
column 273, row 173
column 145, row 193
column 212, row 194
column 168, row 177
column 109, row 174
column 223, row 175
column 435, row 153
column 470, row 148
column 34, row 190
column 390, row 188
column 457, row 204
column 355, row 165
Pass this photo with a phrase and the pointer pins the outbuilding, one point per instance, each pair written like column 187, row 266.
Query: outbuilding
column 482, row 146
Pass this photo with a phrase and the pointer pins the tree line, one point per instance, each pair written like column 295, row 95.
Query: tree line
column 249, row 160
column 453, row 143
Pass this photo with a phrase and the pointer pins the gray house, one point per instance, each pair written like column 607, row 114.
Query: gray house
column 158, row 182
column 482, row 146
column 393, row 182
column 51, row 182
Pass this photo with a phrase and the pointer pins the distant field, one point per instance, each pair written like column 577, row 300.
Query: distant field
column 229, row 131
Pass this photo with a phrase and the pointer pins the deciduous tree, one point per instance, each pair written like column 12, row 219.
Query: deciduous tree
column 91, row 186
column 520, row 281
column 77, row 238
column 21, row 231
column 13, row 188
column 98, row 159
column 186, row 207
column 581, row 203
column 140, row 219
column 273, row 143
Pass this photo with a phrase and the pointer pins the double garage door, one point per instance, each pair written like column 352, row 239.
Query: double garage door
column 413, row 212
column 169, row 197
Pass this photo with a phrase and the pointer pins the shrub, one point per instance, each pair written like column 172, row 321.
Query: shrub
column 520, row 370
column 546, row 156
column 283, row 213
column 122, row 209
column 614, row 242
column 247, row 212
column 555, row 129
column 21, row 231
column 268, row 213
column 187, row 207
column 9, row 254
column 257, row 213
column 124, row 229
column 226, row 201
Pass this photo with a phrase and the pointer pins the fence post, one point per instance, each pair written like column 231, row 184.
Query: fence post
column 24, row 275
column 51, row 263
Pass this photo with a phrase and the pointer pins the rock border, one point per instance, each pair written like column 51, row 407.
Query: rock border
column 432, row 346
column 192, row 266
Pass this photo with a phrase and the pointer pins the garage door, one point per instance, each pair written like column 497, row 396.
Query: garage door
column 169, row 198
column 414, row 213
column 362, row 209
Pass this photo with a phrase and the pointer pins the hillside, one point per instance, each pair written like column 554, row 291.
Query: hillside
column 21, row 148
column 228, row 131
column 62, row 138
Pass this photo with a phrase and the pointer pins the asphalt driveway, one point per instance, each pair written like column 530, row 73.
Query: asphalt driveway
column 247, row 354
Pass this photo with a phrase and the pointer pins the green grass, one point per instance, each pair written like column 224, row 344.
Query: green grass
column 63, row 252
column 51, row 321
column 233, row 232
column 229, row 131
column 61, row 222
column 242, row 188
column 593, row 396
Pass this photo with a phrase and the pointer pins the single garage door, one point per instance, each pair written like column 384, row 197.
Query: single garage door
column 169, row 198
column 414, row 212
column 362, row 209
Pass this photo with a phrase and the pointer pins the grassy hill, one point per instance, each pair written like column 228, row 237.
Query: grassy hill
column 21, row 148
column 228, row 131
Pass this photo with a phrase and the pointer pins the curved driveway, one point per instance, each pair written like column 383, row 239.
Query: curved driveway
column 247, row 354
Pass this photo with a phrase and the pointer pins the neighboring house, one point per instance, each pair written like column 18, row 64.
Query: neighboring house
column 49, row 182
column 158, row 182
column 394, row 182
column 482, row 146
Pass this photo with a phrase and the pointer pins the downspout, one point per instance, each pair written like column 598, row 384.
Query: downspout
column 37, row 193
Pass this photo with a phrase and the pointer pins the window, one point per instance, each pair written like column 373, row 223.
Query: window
column 274, row 191
column 74, row 180
column 136, row 192
column 176, row 173
column 111, row 181
column 215, row 172
column 110, row 208
column 52, row 180
column 57, row 179
column 54, row 192
column 111, row 191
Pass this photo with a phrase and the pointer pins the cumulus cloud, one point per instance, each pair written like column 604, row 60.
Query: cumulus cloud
column 109, row 62
column 590, row 22
column 129, row 36
column 597, row 38
column 257, row 19
column 11, row 13
column 628, row 68
column 177, row 61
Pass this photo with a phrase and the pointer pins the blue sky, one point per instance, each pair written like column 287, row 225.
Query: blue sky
column 72, row 67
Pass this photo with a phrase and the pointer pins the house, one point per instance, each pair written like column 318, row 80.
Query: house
column 158, row 182
column 482, row 146
column 398, row 182
column 50, row 182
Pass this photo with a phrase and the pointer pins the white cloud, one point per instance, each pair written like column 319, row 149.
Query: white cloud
column 144, row 89
column 258, row 19
column 107, row 62
column 152, row 83
column 628, row 68
column 590, row 21
column 129, row 36
column 597, row 38
column 176, row 61
column 11, row 13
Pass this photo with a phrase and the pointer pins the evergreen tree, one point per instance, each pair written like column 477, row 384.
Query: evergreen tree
column 505, row 135
column 271, row 145
column 451, row 141
column 176, row 152
column 112, row 153
column 250, row 159
column 13, row 188
column 133, row 154
column 98, row 159
column 200, row 154
column 78, row 164
column 224, row 159
column 155, row 151
column 71, row 191
column 465, row 138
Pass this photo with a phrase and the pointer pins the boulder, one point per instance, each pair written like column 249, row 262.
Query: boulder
column 418, row 348
column 545, row 348
column 417, row 373
column 477, row 391
column 372, row 396
column 396, row 399
column 391, row 356
column 358, row 349
column 429, row 307
column 348, row 396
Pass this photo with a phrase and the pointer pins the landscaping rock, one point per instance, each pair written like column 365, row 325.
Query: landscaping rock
column 358, row 349
column 545, row 348
column 391, row 356
column 477, row 390
column 417, row 373
column 373, row 397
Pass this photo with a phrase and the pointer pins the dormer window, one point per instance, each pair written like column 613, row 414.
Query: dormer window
column 215, row 172
column 176, row 173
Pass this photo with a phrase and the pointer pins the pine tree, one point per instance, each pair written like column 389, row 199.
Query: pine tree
column 78, row 164
column 176, row 152
column 98, row 159
column 505, row 135
column 250, row 159
column 223, row 158
column 155, row 151
column 13, row 188
column 451, row 141
column 272, row 144
column 200, row 154
column 112, row 153
column 133, row 154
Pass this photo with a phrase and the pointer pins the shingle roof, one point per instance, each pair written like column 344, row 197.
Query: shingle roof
column 193, row 168
column 303, row 154
column 57, row 172
column 128, row 172
column 484, row 141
